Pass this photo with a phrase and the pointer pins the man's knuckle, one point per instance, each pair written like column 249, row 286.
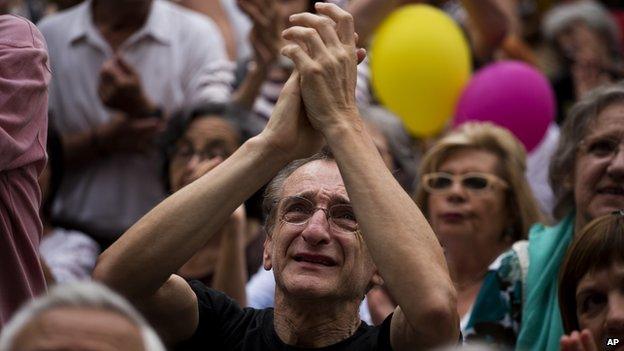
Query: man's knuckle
column 345, row 17
column 304, row 32
column 324, row 21
column 314, row 69
column 341, row 57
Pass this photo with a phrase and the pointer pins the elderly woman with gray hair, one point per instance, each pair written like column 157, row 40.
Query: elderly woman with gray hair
column 79, row 316
column 393, row 142
column 587, row 177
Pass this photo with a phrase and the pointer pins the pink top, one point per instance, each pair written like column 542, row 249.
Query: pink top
column 24, row 77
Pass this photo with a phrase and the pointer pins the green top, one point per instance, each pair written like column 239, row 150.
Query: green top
column 542, row 327
column 522, row 309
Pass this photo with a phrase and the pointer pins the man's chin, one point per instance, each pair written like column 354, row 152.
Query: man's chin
column 308, row 287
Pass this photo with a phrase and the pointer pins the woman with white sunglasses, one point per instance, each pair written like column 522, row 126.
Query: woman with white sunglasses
column 475, row 195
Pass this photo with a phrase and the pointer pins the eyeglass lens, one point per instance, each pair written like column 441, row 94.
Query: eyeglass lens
column 186, row 151
column 298, row 210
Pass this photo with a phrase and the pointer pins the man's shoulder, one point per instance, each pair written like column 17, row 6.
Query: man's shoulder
column 223, row 324
column 214, row 302
column 19, row 32
column 14, row 23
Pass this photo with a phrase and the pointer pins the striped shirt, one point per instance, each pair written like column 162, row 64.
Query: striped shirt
column 270, row 90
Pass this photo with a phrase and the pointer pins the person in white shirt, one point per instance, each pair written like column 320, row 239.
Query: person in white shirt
column 68, row 255
column 120, row 67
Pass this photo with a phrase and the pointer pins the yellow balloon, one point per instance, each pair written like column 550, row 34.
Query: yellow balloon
column 420, row 61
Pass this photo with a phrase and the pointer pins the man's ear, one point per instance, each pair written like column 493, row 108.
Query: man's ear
column 376, row 279
column 266, row 254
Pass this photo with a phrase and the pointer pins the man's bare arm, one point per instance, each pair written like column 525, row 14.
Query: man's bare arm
column 402, row 244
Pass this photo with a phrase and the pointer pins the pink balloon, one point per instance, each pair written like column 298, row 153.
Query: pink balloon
column 510, row 94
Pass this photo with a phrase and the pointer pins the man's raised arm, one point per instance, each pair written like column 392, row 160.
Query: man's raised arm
column 400, row 240
column 141, row 263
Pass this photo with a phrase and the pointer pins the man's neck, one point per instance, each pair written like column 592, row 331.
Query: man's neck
column 116, row 16
column 314, row 323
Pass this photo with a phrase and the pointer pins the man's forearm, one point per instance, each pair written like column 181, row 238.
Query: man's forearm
column 401, row 242
column 165, row 238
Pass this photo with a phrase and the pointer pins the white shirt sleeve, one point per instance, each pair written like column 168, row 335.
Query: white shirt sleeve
column 538, row 163
column 209, row 73
column 70, row 255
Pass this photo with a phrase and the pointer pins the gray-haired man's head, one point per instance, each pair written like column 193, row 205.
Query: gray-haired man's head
column 85, row 316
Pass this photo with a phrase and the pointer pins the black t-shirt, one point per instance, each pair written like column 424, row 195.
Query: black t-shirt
column 224, row 325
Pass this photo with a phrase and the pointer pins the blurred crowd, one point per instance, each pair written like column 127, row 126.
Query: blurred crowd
column 163, row 164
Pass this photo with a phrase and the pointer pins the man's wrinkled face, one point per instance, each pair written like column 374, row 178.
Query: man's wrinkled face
column 76, row 328
column 316, row 258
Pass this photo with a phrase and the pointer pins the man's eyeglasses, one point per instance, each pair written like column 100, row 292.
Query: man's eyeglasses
column 603, row 147
column 298, row 210
column 440, row 182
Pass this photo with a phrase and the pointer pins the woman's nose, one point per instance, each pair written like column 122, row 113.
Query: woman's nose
column 616, row 166
column 193, row 161
column 456, row 192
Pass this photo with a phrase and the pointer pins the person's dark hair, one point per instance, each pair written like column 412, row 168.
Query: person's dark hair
column 178, row 125
column 579, row 122
column 54, row 149
column 599, row 244
column 273, row 190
